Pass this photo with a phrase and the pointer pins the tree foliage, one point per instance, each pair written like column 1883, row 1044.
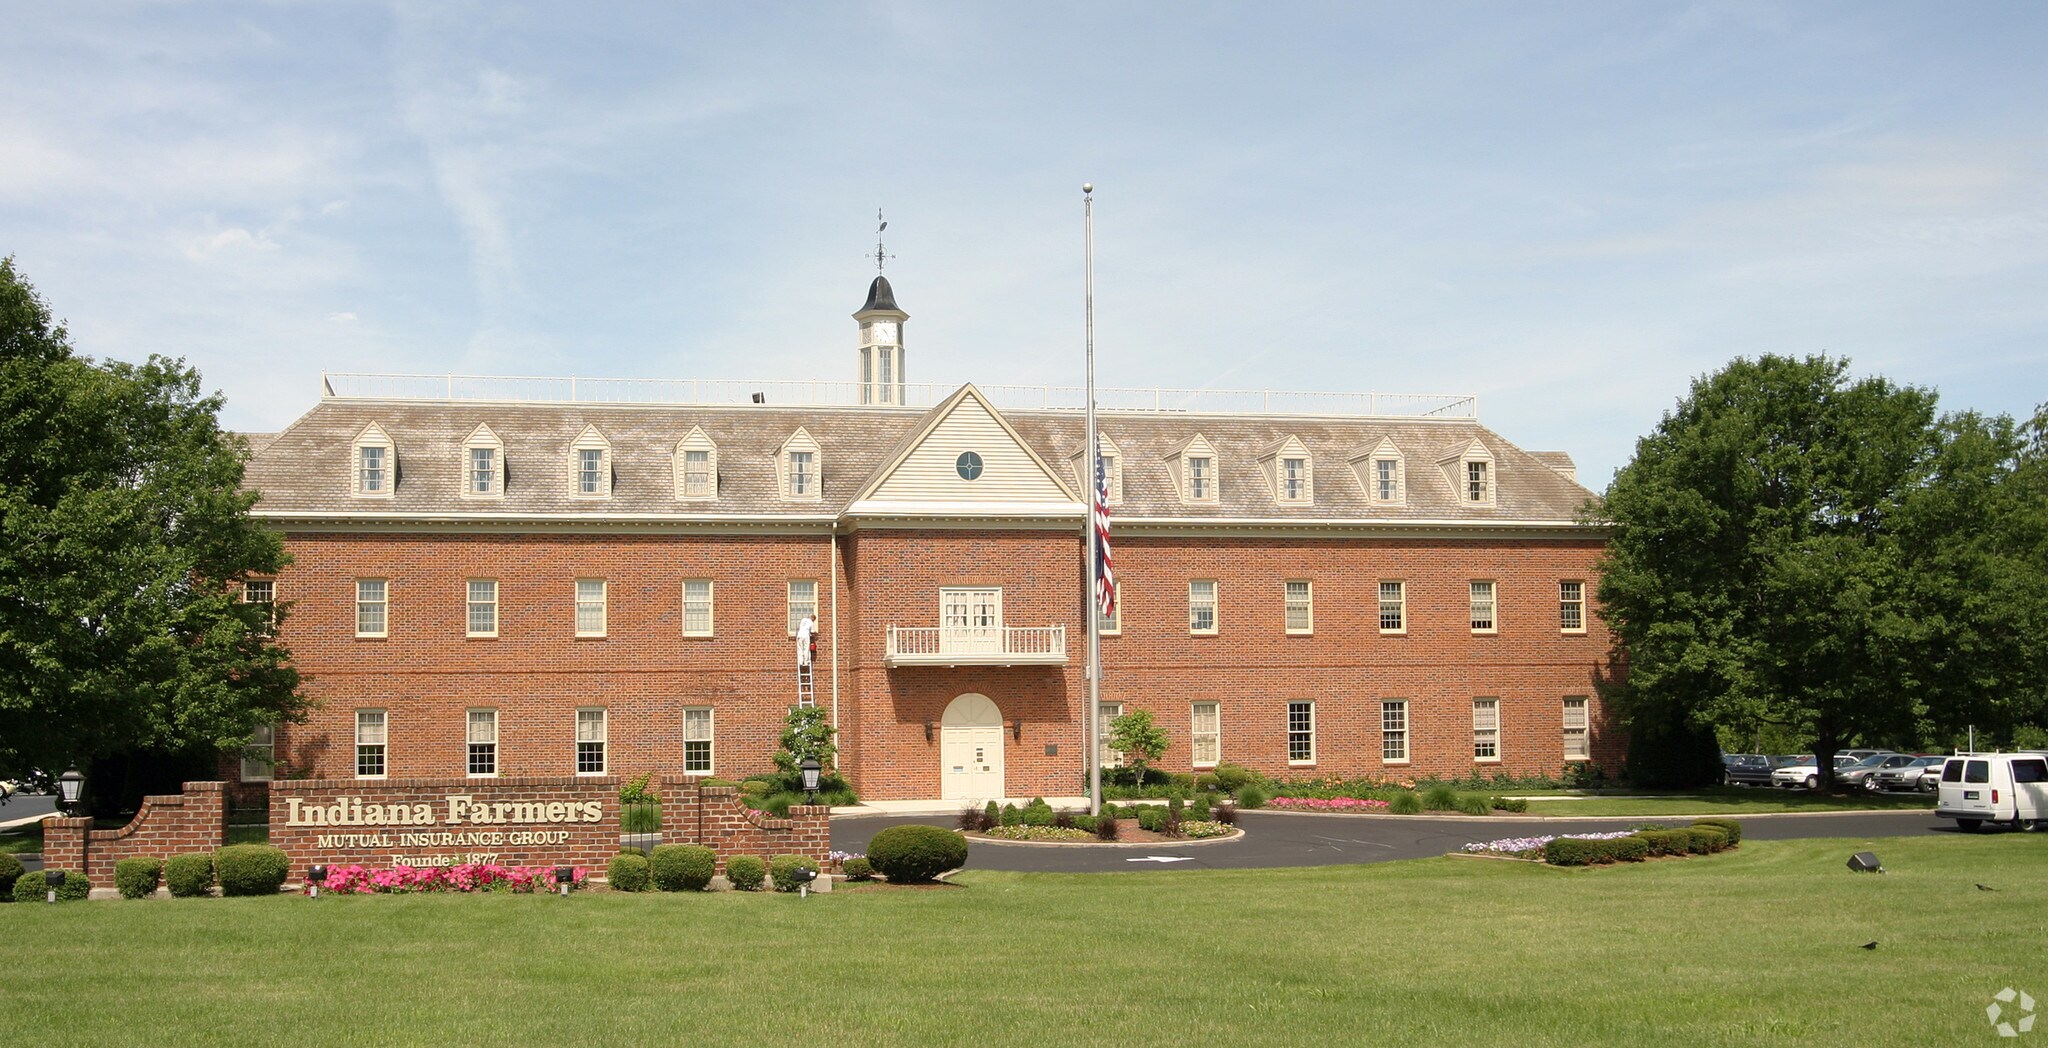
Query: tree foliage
column 124, row 535
column 1139, row 739
column 806, row 734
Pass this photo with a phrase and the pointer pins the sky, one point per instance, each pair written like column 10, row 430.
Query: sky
column 1571, row 210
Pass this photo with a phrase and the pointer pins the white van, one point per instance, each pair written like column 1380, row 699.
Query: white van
column 1977, row 788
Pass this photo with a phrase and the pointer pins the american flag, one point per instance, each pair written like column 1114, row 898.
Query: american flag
column 1105, row 565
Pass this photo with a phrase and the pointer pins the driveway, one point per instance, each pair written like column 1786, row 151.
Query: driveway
column 1300, row 839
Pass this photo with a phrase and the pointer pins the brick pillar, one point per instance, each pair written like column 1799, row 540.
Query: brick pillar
column 64, row 842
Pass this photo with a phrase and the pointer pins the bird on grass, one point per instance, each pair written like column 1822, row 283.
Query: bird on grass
column 1986, row 888
column 1871, row 945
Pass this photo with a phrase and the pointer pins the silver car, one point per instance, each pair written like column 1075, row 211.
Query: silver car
column 1858, row 774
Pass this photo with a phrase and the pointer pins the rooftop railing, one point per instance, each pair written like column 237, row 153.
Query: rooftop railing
column 516, row 389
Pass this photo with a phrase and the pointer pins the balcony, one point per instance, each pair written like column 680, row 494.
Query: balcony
column 976, row 646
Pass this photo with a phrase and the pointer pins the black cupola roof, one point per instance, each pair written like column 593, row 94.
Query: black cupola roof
column 881, row 296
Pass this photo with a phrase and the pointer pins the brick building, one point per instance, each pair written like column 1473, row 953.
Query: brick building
column 544, row 577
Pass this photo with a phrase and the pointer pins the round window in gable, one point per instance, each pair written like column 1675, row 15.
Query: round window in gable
column 969, row 465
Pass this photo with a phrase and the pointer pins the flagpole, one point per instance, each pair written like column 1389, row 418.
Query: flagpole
column 1093, row 452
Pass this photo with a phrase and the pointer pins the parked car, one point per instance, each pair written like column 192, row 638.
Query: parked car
column 1807, row 773
column 1921, row 773
column 1858, row 773
column 1978, row 788
column 1746, row 769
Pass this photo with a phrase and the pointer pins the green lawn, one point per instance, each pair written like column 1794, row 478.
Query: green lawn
column 22, row 841
column 1733, row 800
column 1756, row 946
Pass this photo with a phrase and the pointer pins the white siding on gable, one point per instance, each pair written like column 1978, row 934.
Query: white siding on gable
column 931, row 473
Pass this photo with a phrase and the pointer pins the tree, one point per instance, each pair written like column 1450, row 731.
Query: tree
column 124, row 537
column 1755, row 573
column 1138, row 739
column 806, row 734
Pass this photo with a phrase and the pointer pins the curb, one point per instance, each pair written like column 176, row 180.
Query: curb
column 1438, row 817
column 1236, row 836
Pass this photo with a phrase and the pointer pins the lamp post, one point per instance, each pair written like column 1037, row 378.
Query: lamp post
column 316, row 876
column 565, row 876
column 810, row 771
column 53, row 880
column 70, row 785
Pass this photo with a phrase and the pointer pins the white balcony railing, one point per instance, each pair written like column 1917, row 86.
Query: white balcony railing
column 976, row 646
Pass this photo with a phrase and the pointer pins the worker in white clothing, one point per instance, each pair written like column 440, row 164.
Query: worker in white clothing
column 806, row 641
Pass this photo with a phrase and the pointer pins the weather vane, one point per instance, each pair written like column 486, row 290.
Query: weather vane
column 879, row 256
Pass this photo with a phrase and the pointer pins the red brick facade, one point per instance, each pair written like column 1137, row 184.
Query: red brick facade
column 194, row 821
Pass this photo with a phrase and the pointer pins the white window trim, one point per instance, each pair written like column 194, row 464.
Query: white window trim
column 1584, row 730
column 1407, row 733
column 1365, row 463
column 270, row 603
column 1561, row 627
column 1112, row 464
column 482, row 438
column 710, row 740
column 1275, row 462
column 792, row 618
column 801, row 440
column 372, row 436
column 1109, row 711
column 604, row 607
column 467, row 742
column 1292, row 762
column 385, row 603
column 1194, row 734
column 710, row 609
column 385, row 745
column 1114, row 626
column 696, row 440
column 1476, row 729
column 1184, row 480
column 469, row 601
column 1286, row 600
column 1215, row 608
column 1493, row 589
column 267, row 764
column 1403, row 583
column 576, row 740
column 590, row 440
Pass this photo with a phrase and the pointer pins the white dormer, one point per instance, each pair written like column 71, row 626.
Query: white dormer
column 373, row 464
column 799, row 468
column 1383, row 473
column 483, row 464
column 1196, row 471
column 590, row 465
column 1470, row 469
column 696, row 465
column 1291, row 471
column 1112, row 470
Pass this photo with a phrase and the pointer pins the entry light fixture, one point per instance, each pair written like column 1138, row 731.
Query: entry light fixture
column 927, row 731
column 810, row 771
column 53, row 880
column 70, row 786
column 316, row 876
column 1017, row 729
column 565, row 877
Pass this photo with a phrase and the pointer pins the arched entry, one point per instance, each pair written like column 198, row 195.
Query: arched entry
column 971, row 750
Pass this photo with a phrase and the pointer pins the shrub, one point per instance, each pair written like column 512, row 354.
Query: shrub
column 10, row 871
column 746, row 872
column 1251, row 797
column 1581, row 775
column 31, row 887
column 991, row 817
column 1152, row 818
column 635, row 791
column 1037, row 814
column 1405, row 802
column 1084, row 823
column 1011, row 816
column 683, row 867
column 784, row 871
column 630, row 871
column 251, row 869
column 136, row 877
column 1234, row 777
column 969, row 820
column 1627, row 849
column 1510, row 804
column 713, row 780
column 1474, row 804
column 757, row 787
column 1706, row 840
column 1729, row 827
column 858, row 869
column 1063, row 819
column 1665, row 842
column 189, row 876
column 1107, row 828
column 1440, row 797
column 910, row 854
column 1208, row 782
column 1225, row 813
column 1200, row 809
column 1570, row 851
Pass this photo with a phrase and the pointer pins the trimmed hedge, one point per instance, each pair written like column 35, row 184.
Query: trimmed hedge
column 1510, row 804
column 1706, row 840
column 1573, row 851
column 1728, row 826
column 1666, row 842
column 783, row 870
column 858, row 869
column 136, row 877
column 1627, row 849
column 1153, row 818
column 189, row 876
column 629, row 871
column 31, row 887
column 251, row 869
column 683, row 867
column 10, row 871
column 913, row 854
column 746, row 872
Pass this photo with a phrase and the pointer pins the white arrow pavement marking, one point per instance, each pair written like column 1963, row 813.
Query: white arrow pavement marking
column 1164, row 858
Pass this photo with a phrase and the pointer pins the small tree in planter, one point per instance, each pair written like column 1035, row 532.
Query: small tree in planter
column 806, row 734
column 1140, row 740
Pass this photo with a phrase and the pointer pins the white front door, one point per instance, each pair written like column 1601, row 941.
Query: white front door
column 971, row 750
column 970, row 620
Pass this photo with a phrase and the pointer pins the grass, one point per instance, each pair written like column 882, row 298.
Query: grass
column 1733, row 800
column 27, row 840
column 1755, row 946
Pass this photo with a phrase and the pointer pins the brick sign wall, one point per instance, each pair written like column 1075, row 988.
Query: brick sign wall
column 539, row 821
column 194, row 821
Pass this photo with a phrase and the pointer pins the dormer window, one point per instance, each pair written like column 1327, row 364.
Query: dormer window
column 483, row 474
column 1292, row 472
column 1478, row 481
column 799, row 468
column 1470, row 471
column 696, row 467
column 374, row 463
column 1383, row 473
column 1112, row 471
column 590, row 463
column 1197, row 470
column 1386, row 480
column 1293, row 480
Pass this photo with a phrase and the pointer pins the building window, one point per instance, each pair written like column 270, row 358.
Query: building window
column 696, row 464
column 1207, row 733
column 696, row 474
column 590, row 607
column 1571, row 606
column 1394, row 731
column 372, row 462
column 372, row 607
column 370, row 736
column 803, row 603
column 1478, row 481
column 262, row 592
column 483, row 743
column 259, row 754
column 591, row 459
column 1112, row 624
column 1301, row 733
column 1294, row 480
column 589, row 471
column 483, row 607
column 800, row 467
column 483, row 471
column 1300, row 607
column 1201, row 478
column 802, row 482
column 1486, row 729
column 1109, row 712
column 696, row 607
column 1202, row 606
column 1575, row 748
column 375, row 465
column 1386, row 480
column 1393, row 607
column 1482, row 606
column 590, row 740
column 697, row 741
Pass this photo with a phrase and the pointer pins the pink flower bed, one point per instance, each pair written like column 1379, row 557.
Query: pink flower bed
column 477, row 877
column 1328, row 804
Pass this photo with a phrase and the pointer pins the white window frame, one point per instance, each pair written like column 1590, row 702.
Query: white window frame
column 1391, row 490
column 1293, row 732
column 1213, row 602
column 482, row 439
column 1571, row 605
column 696, row 443
column 582, row 601
column 1201, row 478
column 1400, row 605
column 600, row 486
column 472, row 742
column 801, row 607
column 378, row 729
column 268, row 588
column 1486, row 730
column 708, row 737
column 1112, row 469
column 471, row 604
column 1306, row 603
column 1108, row 712
column 691, row 600
column 1367, row 464
column 1295, row 480
column 1197, row 449
column 1275, row 464
column 1212, row 734
column 259, row 754
column 786, row 473
column 381, row 602
column 601, row 740
column 1113, row 624
column 1394, row 731
column 1577, row 726
column 1476, row 481
column 373, row 436
column 1490, row 603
